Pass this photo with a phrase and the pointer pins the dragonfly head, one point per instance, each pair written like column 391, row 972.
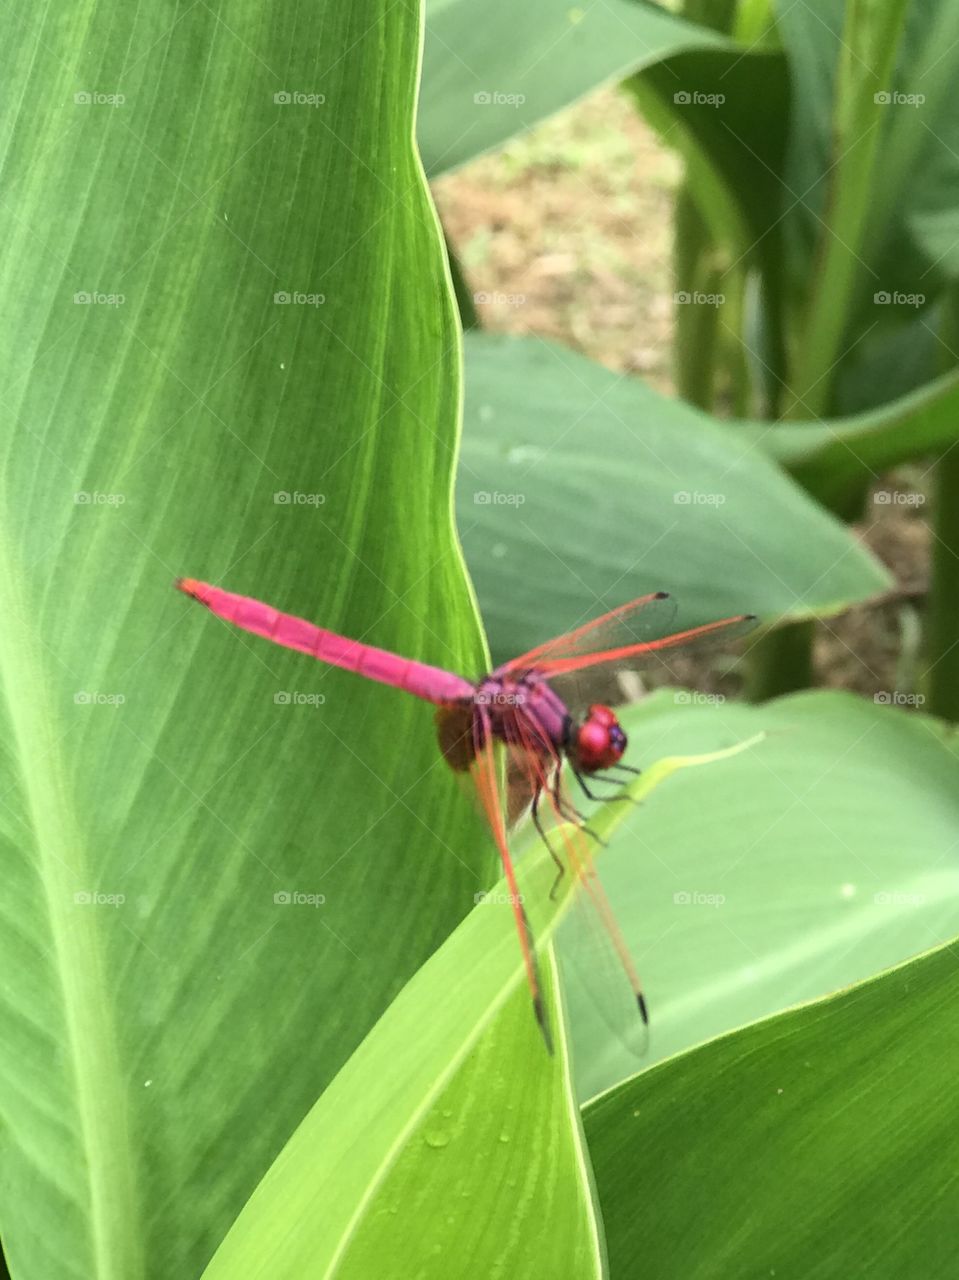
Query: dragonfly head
column 599, row 741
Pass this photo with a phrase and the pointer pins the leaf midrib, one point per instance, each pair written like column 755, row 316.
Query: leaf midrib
column 90, row 1049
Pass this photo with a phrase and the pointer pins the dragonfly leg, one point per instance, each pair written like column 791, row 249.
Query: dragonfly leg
column 620, row 795
column 560, row 864
column 564, row 808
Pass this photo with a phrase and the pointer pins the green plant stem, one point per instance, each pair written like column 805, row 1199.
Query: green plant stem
column 942, row 621
column 734, row 384
column 781, row 662
column 867, row 55
column 941, row 626
column 697, row 325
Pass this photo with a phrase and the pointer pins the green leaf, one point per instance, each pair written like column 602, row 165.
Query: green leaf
column 818, row 858
column 375, row 1179
column 813, row 1144
column 168, row 1019
column 580, row 488
column 838, row 459
column 484, row 82
column 704, row 103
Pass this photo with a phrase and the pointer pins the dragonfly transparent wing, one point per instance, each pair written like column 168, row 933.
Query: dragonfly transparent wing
column 485, row 776
column 638, row 622
column 582, row 665
column 607, row 969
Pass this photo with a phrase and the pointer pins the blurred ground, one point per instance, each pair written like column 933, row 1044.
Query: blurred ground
column 567, row 233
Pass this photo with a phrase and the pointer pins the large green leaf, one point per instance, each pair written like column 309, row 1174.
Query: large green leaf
column 392, row 1171
column 579, row 488
column 170, row 1014
column 815, row 860
column 484, row 81
column 448, row 1145
column 815, row 1144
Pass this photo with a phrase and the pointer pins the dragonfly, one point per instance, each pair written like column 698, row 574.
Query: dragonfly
column 535, row 706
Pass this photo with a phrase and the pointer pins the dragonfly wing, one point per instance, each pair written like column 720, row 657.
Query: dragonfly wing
column 638, row 654
column 608, row 970
column 635, row 637
column 640, row 620
column 485, row 777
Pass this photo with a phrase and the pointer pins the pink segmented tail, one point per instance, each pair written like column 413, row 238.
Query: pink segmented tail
column 431, row 683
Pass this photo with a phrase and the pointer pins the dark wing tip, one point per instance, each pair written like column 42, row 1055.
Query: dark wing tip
column 643, row 1011
column 539, row 1008
column 661, row 595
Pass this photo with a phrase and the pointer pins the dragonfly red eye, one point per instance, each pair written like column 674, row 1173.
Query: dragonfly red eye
column 600, row 741
column 602, row 715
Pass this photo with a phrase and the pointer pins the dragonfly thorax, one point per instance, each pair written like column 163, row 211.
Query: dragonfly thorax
column 597, row 743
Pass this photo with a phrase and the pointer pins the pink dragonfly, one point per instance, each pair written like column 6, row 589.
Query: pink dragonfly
column 530, row 705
